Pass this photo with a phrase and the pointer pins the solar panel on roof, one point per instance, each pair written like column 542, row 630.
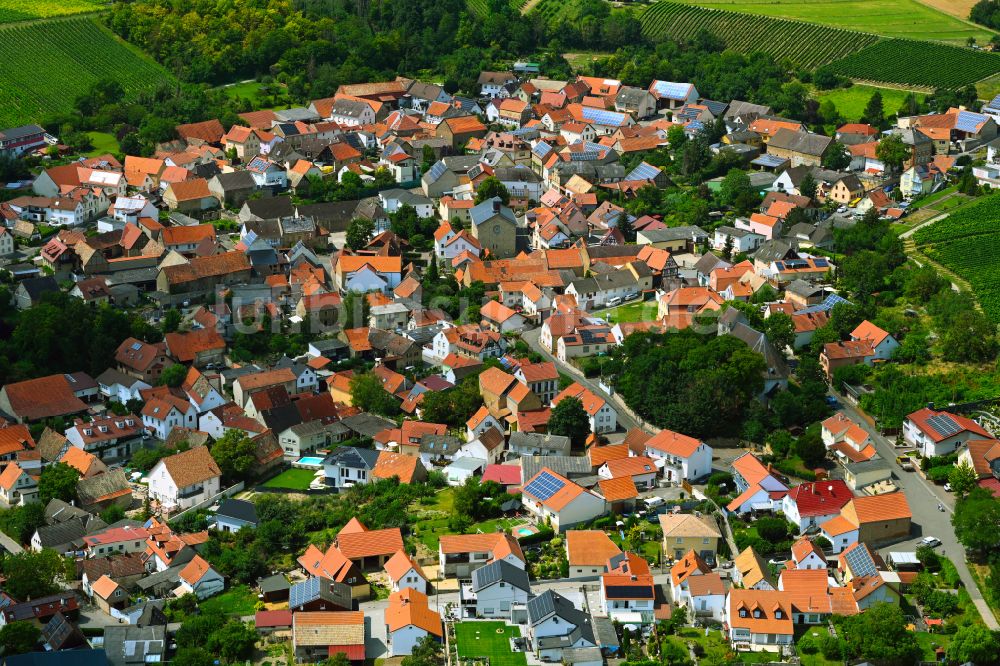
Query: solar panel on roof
column 821, row 263
column 303, row 592
column 437, row 170
column 644, row 171
column 967, row 121
column 136, row 346
column 944, row 425
column 672, row 90
column 861, row 562
column 544, row 486
column 602, row 117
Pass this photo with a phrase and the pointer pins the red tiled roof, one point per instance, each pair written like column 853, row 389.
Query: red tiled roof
column 820, row 498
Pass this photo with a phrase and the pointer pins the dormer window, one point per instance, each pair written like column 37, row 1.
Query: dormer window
column 756, row 614
column 743, row 612
column 778, row 614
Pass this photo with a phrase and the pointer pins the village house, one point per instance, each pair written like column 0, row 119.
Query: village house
column 185, row 479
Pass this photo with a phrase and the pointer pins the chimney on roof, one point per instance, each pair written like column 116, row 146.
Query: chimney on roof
column 496, row 205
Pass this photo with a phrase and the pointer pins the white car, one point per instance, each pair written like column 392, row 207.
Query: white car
column 947, row 487
column 932, row 542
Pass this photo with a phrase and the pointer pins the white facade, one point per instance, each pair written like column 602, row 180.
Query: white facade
column 689, row 468
column 583, row 508
column 160, row 426
column 403, row 640
column 163, row 489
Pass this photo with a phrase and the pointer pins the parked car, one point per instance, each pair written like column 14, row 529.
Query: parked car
column 932, row 542
column 947, row 487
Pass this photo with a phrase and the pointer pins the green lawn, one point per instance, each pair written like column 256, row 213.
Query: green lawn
column 930, row 199
column 818, row 632
column 249, row 90
column 297, row 479
column 850, row 102
column 928, row 642
column 635, row 311
column 481, row 639
column 908, row 19
column 103, row 143
column 239, row 600
column 717, row 648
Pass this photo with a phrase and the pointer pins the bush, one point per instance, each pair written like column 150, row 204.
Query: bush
column 832, row 648
column 543, row 535
column 940, row 474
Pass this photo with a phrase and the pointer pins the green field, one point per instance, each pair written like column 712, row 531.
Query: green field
column 892, row 18
column 850, row 102
column 480, row 639
column 27, row 10
column 637, row 311
column 294, row 478
column 913, row 63
column 239, row 600
column 45, row 65
column 967, row 242
column 103, row 143
column 805, row 44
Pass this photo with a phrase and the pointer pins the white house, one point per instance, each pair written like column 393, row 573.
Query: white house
column 404, row 572
column 811, row 504
column 185, row 479
column 759, row 619
column 493, row 589
column 705, row 597
column 603, row 417
column 408, row 620
column 682, row 458
column 554, row 498
column 348, row 466
column 555, row 624
column 487, row 446
column 200, row 579
column 163, row 413
column 759, row 488
column 266, row 173
column 628, row 588
column 17, row 487
column 882, row 343
column 481, row 421
column 940, row 433
column 807, row 555
column 118, row 386
column 394, row 199
column 741, row 240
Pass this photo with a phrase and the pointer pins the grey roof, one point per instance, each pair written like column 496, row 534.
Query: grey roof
column 332, row 215
column 235, row 180
column 734, row 232
column 353, row 457
column 167, row 576
column 568, row 466
column 581, row 655
column 8, row 545
column 709, row 262
column 741, row 108
column 314, row 588
column 37, row 286
column 688, row 232
column 20, row 132
column 125, row 644
column 777, row 367
column 539, row 440
column 629, row 96
column 773, row 250
column 487, row 211
column 616, row 279
column 275, row 583
column 550, row 603
column 800, row 142
column 520, row 174
column 80, row 657
column 110, row 377
column 500, row 571
column 714, row 107
column 427, row 91
column 349, row 108
column 238, row 509
column 61, row 534
column 367, row 424
column 93, row 489
column 297, row 113
column 271, row 208
column 328, row 344
column 802, row 288
column 58, row 511
column 441, row 444
column 875, row 464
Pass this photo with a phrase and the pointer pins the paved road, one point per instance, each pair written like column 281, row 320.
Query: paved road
column 625, row 421
column 928, row 520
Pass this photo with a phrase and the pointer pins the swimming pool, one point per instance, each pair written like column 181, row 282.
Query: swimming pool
column 525, row 531
column 310, row 461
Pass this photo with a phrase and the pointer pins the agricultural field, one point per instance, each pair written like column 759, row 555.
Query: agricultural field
column 806, row 44
column 967, row 242
column 28, row 10
column 850, row 102
column 919, row 64
column 891, row 18
column 44, row 66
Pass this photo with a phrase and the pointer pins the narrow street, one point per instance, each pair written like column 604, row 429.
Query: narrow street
column 625, row 420
column 928, row 520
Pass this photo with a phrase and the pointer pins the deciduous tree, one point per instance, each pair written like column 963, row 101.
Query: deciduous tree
column 570, row 420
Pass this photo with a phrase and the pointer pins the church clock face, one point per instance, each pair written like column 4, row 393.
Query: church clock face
column 496, row 228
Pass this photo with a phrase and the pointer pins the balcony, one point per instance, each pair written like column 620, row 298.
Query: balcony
column 191, row 492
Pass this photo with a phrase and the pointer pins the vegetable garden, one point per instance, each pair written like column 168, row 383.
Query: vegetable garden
column 916, row 63
column 27, row 10
column 968, row 243
column 45, row 65
column 806, row 44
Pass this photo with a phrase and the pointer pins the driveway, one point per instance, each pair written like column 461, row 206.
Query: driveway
column 928, row 520
column 625, row 420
